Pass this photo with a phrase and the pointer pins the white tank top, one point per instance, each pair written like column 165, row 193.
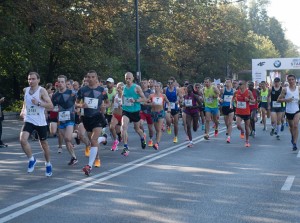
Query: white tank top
column 117, row 101
column 34, row 114
column 292, row 107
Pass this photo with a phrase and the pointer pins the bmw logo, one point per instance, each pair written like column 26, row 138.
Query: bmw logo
column 277, row 64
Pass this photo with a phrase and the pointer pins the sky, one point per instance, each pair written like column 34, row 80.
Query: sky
column 287, row 12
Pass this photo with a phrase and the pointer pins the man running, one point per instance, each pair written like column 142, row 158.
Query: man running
column 90, row 98
column 132, row 98
column 65, row 100
column 211, row 94
column 253, row 108
column 290, row 95
column 36, row 100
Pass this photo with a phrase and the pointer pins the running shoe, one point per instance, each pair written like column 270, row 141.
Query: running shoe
column 247, row 144
column 242, row 135
column 253, row 134
column 175, row 140
column 275, row 133
column 216, row 132
column 169, row 131
column 31, row 165
column 48, row 172
column 97, row 163
column 3, row 145
column 87, row 170
column 125, row 151
column 272, row 132
column 115, row 145
column 155, row 146
column 190, row 145
column 143, row 143
column 294, row 147
column 282, row 128
column 87, row 151
column 278, row 137
column 265, row 129
column 105, row 136
column 150, row 143
column 59, row 150
column 206, row 137
column 73, row 161
column 228, row 139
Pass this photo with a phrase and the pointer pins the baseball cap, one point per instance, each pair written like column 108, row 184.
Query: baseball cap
column 277, row 79
column 110, row 80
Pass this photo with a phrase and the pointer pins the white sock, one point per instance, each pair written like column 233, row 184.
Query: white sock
column 48, row 164
column 278, row 129
column 101, row 139
column 93, row 154
column 31, row 158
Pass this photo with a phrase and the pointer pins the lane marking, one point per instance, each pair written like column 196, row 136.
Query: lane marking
column 288, row 183
column 298, row 155
column 90, row 181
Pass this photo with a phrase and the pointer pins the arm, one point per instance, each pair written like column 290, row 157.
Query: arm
column 45, row 100
column 168, row 102
column 141, row 93
column 281, row 97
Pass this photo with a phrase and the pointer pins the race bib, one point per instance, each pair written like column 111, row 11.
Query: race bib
column 91, row 102
column 227, row 98
column 172, row 105
column 241, row 104
column 264, row 98
column 82, row 111
column 64, row 116
column 276, row 104
column 157, row 101
column 209, row 100
column 118, row 102
column 127, row 101
column 188, row 102
column 32, row 110
column 55, row 109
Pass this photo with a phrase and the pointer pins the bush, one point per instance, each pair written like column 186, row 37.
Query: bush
column 16, row 106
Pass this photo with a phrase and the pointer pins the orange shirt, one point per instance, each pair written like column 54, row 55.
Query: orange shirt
column 242, row 106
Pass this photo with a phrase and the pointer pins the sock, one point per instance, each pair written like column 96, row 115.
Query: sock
column 101, row 139
column 31, row 158
column 278, row 129
column 93, row 154
column 48, row 164
column 103, row 131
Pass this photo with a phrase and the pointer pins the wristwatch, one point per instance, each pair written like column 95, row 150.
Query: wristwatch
column 39, row 104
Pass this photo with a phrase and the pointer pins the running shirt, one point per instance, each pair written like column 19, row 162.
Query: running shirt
column 66, row 105
column 292, row 107
column 128, row 94
column 274, row 96
column 264, row 95
column 227, row 97
column 255, row 104
column 34, row 114
column 172, row 97
column 190, row 104
column 209, row 99
column 93, row 98
column 157, row 100
column 117, row 102
column 146, row 108
column 110, row 97
column 242, row 106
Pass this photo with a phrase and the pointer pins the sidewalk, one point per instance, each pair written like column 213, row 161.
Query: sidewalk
column 11, row 130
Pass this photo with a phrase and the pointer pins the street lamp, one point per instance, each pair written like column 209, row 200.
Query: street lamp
column 137, row 46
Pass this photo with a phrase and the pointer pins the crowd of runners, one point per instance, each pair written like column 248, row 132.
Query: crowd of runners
column 88, row 112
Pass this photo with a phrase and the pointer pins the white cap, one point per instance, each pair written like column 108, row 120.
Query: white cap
column 110, row 80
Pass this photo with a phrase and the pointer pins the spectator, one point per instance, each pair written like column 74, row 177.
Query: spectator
column 1, row 119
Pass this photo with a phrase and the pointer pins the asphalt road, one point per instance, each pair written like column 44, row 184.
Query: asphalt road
column 211, row 182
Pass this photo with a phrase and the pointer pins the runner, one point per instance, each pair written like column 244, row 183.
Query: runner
column 211, row 94
column 242, row 97
column 2, row 99
column 264, row 91
column 173, row 95
column 145, row 113
column 290, row 95
column 132, row 98
column 116, row 115
column 191, row 104
column 253, row 108
column 157, row 101
column 227, row 108
column 36, row 100
column 65, row 100
column 90, row 98
column 277, row 109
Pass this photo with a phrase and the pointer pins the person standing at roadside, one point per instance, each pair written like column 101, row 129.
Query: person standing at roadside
column 36, row 100
column 2, row 99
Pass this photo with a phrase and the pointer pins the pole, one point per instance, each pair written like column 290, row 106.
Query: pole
column 137, row 36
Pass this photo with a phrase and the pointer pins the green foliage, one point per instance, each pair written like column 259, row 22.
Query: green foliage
column 16, row 106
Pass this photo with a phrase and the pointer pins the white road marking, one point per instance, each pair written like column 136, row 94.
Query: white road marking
column 298, row 156
column 288, row 183
column 90, row 181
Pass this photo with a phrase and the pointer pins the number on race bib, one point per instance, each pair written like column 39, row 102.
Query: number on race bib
column 227, row 98
column 157, row 101
column 188, row 102
column 241, row 104
column 276, row 104
column 127, row 101
column 64, row 116
column 32, row 110
column 91, row 102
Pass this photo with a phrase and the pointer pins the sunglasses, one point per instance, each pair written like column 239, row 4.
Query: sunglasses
column 240, row 84
column 170, row 82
